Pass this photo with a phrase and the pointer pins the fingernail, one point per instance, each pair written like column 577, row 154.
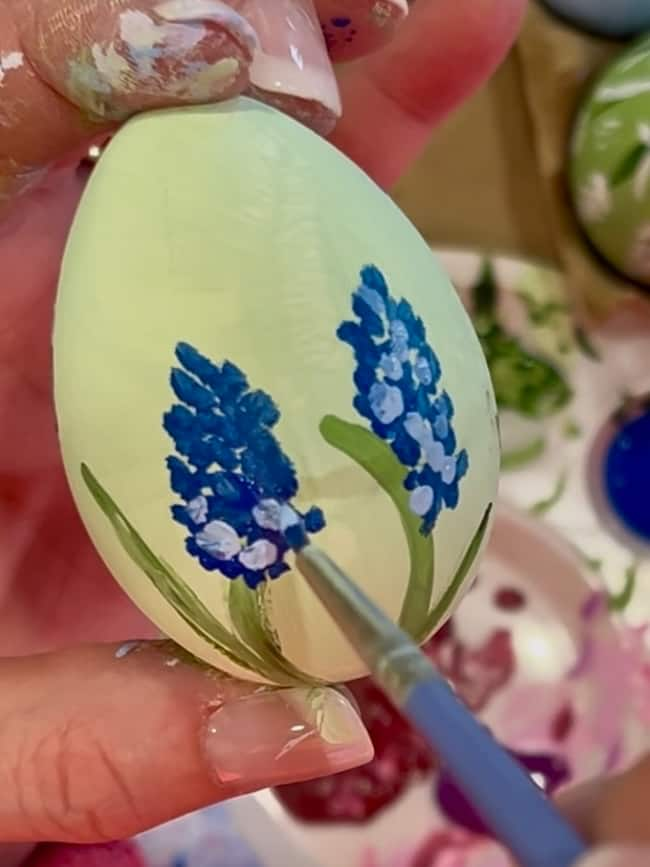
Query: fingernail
column 220, row 14
column 284, row 736
column 353, row 28
column 292, row 63
column 617, row 857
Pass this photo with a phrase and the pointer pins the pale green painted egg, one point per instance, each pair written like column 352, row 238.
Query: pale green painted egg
column 610, row 163
column 251, row 337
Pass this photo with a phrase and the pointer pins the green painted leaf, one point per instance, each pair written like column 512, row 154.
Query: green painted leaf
column 543, row 506
column 619, row 601
column 377, row 459
column 248, row 614
column 572, row 429
column 436, row 615
column 179, row 595
column 485, row 294
column 517, row 458
column 628, row 165
column 585, row 344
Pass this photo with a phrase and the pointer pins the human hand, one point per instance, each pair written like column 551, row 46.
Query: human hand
column 612, row 815
column 97, row 742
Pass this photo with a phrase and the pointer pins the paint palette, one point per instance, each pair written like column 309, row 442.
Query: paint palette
column 535, row 651
column 550, row 645
column 567, row 394
column 253, row 343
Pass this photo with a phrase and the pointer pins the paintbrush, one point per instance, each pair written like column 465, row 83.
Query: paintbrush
column 510, row 804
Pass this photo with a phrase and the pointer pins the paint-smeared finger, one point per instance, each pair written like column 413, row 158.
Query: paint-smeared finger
column 353, row 28
column 292, row 70
column 113, row 59
column 73, row 69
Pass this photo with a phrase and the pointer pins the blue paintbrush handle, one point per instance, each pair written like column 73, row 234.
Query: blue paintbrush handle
column 510, row 804
column 515, row 810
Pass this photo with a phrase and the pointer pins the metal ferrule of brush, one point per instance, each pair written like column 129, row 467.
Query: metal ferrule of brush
column 397, row 664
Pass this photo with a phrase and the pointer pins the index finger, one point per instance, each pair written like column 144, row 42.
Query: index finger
column 394, row 98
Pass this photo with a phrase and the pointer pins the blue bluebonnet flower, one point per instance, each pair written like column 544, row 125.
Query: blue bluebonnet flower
column 397, row 378
column 235, row 482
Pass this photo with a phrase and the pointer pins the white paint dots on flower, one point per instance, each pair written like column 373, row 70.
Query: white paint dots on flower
column 391, row 367
column 399, row 339
column 594, row 199
column 258, row 556
column 422, row 371
column 421, row 500
column 435, row 455
column 219, row 540
column 276, row 516
column 386, row 402
column 373, row 299
column 448, row 470
column 197, row 509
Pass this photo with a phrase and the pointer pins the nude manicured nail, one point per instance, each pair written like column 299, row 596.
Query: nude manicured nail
column 283, row 736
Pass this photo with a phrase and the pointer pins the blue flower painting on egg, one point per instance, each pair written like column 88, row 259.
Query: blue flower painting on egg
column 397, row 378
column 235, row 482
column 235, row 490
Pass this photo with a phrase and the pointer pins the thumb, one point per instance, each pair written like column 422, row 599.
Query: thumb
column 100, row 743
column 71, row 70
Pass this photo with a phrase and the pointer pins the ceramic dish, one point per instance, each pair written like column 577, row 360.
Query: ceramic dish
column 547, row 667
column 560, row 390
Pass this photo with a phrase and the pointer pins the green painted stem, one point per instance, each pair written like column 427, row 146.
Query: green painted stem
column 619, row 601
column 248, row 616
column 377, row 459
column 436, row 615
column 179, row 595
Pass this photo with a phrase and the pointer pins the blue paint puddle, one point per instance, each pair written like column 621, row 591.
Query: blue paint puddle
column 626, row 474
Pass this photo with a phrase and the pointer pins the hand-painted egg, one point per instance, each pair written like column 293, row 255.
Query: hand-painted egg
column 610, row 164
column 615, row 18
column 251, row 337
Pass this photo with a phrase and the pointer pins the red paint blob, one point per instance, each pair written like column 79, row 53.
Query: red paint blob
column 563, row 723
column 509, row 599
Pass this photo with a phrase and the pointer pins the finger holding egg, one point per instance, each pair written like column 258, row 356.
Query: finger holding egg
column 108, row 61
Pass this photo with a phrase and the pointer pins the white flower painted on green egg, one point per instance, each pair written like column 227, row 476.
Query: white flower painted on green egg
column 594, row 198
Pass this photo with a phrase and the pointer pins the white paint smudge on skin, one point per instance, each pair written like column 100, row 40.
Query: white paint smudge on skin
column 195, row 11
column 172, row 663
column 145, row 41
column 10, row 61
column 127, row 648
